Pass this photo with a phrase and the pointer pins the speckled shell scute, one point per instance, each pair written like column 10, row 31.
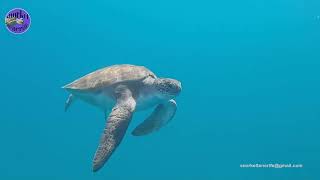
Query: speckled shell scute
column 109, row 76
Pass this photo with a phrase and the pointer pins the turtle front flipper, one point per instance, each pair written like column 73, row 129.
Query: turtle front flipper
column 159, row 118
column 117, row 124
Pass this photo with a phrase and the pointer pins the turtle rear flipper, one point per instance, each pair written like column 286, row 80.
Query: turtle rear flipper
column 69, row 101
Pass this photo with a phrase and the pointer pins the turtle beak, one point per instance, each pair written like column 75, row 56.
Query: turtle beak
column 176, row 87
column 179, row 87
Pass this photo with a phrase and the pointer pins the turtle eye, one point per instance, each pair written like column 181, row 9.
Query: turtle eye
column 151, row 75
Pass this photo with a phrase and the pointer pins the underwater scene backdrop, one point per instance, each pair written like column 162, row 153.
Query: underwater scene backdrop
column 250, row 77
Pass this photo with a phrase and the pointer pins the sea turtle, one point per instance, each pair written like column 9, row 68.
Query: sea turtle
column 124, row 89
column 11, row 21
column 19, row 20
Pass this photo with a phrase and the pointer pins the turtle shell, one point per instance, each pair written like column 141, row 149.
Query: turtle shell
column 109, row 76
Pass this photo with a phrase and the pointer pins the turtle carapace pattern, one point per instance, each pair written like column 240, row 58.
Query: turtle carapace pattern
column 123, row 90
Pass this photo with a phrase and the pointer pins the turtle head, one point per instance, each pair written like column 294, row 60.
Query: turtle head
column 168, row 88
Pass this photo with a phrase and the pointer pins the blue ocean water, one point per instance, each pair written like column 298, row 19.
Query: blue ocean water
column 250, row 76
